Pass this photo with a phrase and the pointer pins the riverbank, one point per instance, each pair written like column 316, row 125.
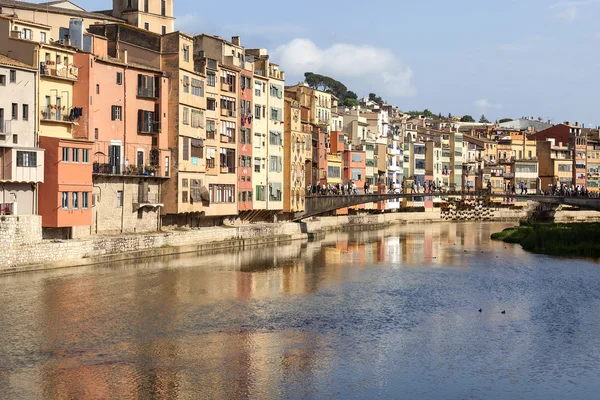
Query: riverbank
column 573, row 239
column 25, row 253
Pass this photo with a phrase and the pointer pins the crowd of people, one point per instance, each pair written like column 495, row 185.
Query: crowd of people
column 330, row 189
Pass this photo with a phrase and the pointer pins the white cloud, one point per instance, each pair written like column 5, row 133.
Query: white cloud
column 484, row 104
column 360, row 67
column 568, row 14
column 567, row 4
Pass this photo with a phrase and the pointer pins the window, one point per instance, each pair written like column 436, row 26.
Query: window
column 85, row 197
column 257, row 111
column 115, row 113
column 227, row 160
column 2, row 80
column 249, row 194
column 228, row 131
column 75, row 158
column 276, row 91
column 275, row 191
column 15, row 138
column 186, row 84
column 245, row 136
column 197, row 119
column 275, row 164
column 163, row 29
column 146, row 26
column 211, row 78
column 184, row 196
column 276, row 114
column 186, row 116
column 163, row 7
column 257, row 140
column 257, row 165
column 211, row 104
column 246, row 82
column 357, row 174
column 197, row 149
column 211, row 63
column 15, row 111
column 257, row 88
column 148, row 86
column 65, row 154
column 184, row 183
column 119, row 78
column 42, row 37
column 146, row 5
column 221, row 193
column 75, row 199
column 275, row 138
column 197, row 87
column 186, row 52
column 65, row 200
column 58, row 59
column 356, row 157
column 97, row 89
column 146, row 122
column 119, row 198
column 27, row 159
column 95, row 133
column 85, row 156
column 333, row 172
column 25, row 112
column 195, row 190
column 210, row 129
column 210, row 157
column 260, row 193
column 186, row 149
column 228, row 81
column 228, row 103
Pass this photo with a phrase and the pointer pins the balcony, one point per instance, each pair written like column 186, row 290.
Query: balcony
column 148, row 93
column 224, row 169
column 228, row 87
column 227, row 113
column 23, row 165
column 49, row 68
column 145, row 199
column 122, row 170
column 227, row 139
column 53, row 115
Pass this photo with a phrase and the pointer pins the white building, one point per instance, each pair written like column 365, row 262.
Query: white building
column 21, row 161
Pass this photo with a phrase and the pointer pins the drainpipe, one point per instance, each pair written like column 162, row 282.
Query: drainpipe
column 35, row 132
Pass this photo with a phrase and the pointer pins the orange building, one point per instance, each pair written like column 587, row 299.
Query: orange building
column 124, row 109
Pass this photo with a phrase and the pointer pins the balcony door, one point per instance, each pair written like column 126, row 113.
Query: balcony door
column 114, row 159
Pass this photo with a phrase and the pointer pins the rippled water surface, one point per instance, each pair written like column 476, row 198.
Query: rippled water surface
column 389, row 314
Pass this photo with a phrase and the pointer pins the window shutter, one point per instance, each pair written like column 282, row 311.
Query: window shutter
column 140, row 84
column 156, row 119
column 156, row 86
column 140, row 120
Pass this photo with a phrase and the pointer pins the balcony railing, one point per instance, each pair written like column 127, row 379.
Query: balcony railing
column 55, row 115
column 59, row 71
column 227, row 139
column 5, row 127
column 147, row 92
column 120, row 169
column 227, row 113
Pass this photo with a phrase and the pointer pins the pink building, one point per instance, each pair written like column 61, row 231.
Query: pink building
column 124, row 111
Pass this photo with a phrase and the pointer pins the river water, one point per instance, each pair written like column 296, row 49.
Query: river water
column 391, row 314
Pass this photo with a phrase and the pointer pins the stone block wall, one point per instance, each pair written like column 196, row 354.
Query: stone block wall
column 20, row 230
column 109, row 218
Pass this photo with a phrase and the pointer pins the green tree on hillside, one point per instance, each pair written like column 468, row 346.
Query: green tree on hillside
column 503, row 120
column 483, row 119
column 467, row 118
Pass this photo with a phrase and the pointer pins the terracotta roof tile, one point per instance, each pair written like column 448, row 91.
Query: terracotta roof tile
column 4, row 60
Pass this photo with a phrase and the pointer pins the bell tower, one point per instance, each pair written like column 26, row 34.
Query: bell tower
column 153, row 15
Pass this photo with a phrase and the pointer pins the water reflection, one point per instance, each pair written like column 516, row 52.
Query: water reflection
column 384, row 314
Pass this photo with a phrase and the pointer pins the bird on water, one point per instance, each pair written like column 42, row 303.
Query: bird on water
column 503, row 311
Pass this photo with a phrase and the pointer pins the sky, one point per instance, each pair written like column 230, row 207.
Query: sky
column 501, row 58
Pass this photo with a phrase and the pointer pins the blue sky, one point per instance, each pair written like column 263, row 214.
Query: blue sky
column 504, row 58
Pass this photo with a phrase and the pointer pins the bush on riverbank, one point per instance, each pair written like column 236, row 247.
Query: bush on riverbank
column 579, row 239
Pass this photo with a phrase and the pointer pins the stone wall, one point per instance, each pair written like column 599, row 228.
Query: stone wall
column 56, row 253
column 108, row 218
column 20, row 230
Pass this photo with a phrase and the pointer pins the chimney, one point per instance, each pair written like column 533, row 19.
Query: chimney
column 576, row 123
column 235, row 40
column 125, row 56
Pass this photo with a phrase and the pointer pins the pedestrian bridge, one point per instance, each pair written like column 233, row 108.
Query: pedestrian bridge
column 316, row 205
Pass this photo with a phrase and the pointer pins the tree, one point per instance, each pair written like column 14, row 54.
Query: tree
column 483, row 119
column 467, row 118
column 351, row 95
column 375, row 98
column 348, row 102
column 503, row 120
column 449, row 115
column 326, row 84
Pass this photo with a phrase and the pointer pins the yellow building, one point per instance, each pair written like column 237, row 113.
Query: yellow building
column 319, row 102
column 294, row 186
column 334, row 168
